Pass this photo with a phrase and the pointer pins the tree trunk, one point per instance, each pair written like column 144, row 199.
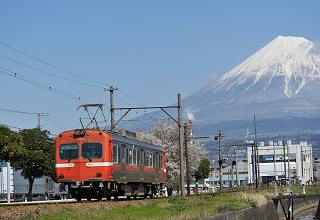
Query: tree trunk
column 31, row 180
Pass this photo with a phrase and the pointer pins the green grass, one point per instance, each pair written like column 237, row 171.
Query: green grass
column 194, row 207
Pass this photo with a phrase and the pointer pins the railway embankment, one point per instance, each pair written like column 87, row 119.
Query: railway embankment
column 247, row 204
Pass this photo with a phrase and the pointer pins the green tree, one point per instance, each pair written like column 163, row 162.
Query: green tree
column 37, row 156
column 11, row 144
column 203, row 170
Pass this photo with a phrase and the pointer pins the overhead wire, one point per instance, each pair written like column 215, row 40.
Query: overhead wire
column 58, row 120
column 137, row 101
column 19, row 112
column 49, row 64
column 10, row 126
column 45, row 72
column 41, row 85
column 53, row 124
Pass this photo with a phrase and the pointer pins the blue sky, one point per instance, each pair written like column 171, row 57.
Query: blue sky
column 151, row 50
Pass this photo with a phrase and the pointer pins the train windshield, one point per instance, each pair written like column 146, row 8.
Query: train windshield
column 68, row 151
column 91, row 150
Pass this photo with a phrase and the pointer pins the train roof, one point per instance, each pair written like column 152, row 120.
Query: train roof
column 135, row 142
column 123, row 139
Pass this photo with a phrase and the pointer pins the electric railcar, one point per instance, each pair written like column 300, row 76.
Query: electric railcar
column 95, row 164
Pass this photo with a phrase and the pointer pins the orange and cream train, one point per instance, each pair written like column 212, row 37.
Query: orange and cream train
column 96, row 164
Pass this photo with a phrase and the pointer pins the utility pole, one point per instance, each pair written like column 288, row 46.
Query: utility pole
column 186, row 140
column 275, row 172
column 284, row 163
column 111, row 90
column 232, row 174
column 39, row 115
column 236, row 167
column 256, row 153
column 8, row 182
column 301, row 152
column 253, row 163
column 219, row 137
column 289, row 176
column 180, row 120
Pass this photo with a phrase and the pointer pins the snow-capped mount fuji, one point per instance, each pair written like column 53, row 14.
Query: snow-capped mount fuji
column 280, row 80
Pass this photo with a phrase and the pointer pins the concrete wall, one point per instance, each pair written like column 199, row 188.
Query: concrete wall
column 264, row 212
column 299, row 203
column 270, row 211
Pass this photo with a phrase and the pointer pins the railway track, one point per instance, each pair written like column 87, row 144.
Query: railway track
column 65, row 201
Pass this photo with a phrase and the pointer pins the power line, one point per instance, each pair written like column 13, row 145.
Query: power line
column 53, row 124
column 10, row 126
column 51, row 65
column 58, row 120
column 19, row 112
column 48, row 73
column 30, row 81
column 137, row 101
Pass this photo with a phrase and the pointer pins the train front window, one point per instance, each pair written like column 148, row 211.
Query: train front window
column 68, row 151
column 92, row 150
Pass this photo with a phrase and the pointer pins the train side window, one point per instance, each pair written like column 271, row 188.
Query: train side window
column 161, row 161
column 134, row 156
column 140, row 156
column 123, row 153
column 148, row 159
column 151, row 160
column 130, row 156
column 115, row 153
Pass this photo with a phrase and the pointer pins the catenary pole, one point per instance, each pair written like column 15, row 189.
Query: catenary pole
column 163, row 108
column 180, row 120
column 111, row 90
column 186, row 140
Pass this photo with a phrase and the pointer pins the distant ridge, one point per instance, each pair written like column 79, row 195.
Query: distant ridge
column 280, row 80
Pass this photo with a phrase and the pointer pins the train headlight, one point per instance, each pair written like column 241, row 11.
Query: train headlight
column 99, row 175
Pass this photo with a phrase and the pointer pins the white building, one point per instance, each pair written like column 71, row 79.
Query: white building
column 273, row 166
column 3, row 180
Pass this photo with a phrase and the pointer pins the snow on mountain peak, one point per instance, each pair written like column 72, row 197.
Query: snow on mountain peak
column 293, row 59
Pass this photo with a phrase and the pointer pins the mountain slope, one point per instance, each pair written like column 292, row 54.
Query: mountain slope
column 280, row 80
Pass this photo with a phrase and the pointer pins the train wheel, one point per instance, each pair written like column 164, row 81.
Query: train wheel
column 108, row 197
column 78, row 198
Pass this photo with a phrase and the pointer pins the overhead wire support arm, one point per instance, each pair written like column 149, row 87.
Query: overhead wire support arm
column 124, row 115
column 146, row 107
column 179, row 122
column 143, row 108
